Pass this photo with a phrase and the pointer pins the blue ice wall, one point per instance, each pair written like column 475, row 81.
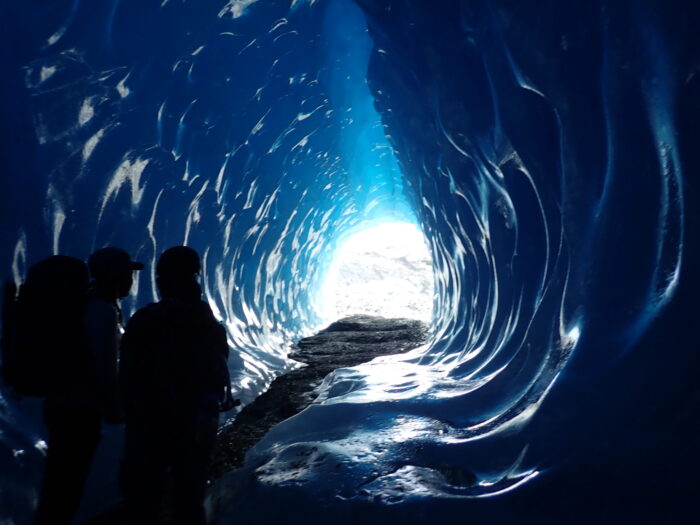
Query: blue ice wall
column 554, row 146
column 548, row 154
column 245, row 131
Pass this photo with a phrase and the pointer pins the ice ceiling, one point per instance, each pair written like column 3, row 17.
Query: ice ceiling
column 546, row 155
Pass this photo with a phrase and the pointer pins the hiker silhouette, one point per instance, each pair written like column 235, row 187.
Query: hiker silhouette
column 175, row 380
column 87, row 394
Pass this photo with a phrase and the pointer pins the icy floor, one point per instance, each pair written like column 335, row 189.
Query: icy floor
column 345, row 343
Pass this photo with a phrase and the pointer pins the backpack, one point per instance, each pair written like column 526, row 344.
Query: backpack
column 44, row 351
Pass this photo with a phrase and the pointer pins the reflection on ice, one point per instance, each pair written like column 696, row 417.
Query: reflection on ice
column 546, row 169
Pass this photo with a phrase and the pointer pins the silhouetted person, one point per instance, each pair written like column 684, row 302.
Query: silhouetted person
column 174, row 378
column 74, row 418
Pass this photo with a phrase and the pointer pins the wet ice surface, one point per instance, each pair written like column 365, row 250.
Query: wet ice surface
column 552, row 172
column 345, row 343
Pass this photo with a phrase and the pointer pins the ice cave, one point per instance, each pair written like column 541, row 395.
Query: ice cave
column 544, row 157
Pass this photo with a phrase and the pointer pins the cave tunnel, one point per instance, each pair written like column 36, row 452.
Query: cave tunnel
column 546, row 152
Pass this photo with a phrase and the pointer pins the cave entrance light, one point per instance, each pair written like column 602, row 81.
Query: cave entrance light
column 384, row 270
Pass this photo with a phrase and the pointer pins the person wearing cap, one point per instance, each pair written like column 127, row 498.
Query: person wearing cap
column 74, row 419
column 175, row 380
column 112, row 272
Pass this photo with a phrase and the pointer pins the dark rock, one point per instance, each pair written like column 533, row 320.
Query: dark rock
column 348, row 342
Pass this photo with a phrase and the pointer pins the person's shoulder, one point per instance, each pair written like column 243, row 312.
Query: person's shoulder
column 96, row 301
column 145, row 312
column 193, row 309
column 202, row 308
column 98, row 308
column 205, row 314
column 144, row 315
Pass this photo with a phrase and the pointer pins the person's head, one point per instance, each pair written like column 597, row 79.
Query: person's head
column 177, row 271
column 112, row 270
column 59, row 277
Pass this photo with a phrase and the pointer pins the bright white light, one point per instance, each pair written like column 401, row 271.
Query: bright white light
column 384, row 270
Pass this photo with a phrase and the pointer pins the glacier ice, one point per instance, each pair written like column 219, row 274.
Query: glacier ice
column 547, row 155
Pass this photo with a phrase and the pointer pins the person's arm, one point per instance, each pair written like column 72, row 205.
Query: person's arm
column 101, row 329
column 219, row 342
column 131, row 354
column 7, row 337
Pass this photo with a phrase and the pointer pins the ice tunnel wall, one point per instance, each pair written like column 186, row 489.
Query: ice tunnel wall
column 551, row 154
column 547, row 154
column 551, row 149
column 247, row 133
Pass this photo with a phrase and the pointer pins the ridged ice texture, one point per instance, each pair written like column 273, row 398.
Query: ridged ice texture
column 550, row 152
column 547, row 154
column 247, row 132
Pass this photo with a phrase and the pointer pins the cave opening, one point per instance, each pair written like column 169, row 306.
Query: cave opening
column 384, row 270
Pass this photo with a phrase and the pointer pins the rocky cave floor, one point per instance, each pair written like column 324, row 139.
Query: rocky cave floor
column 345, row 343
column 348, row 342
